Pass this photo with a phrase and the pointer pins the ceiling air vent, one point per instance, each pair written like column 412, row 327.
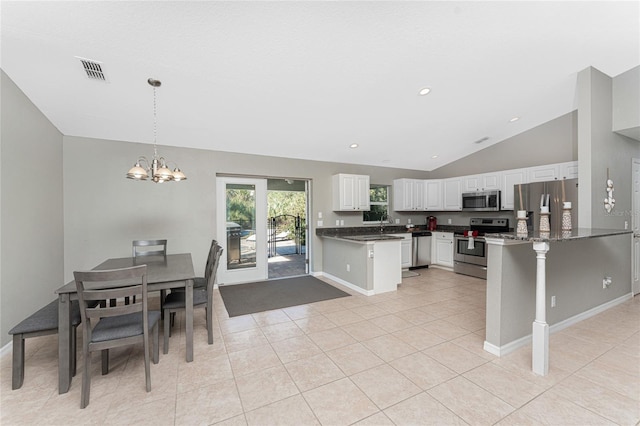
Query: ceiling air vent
column 486, row 138
column 94, row 69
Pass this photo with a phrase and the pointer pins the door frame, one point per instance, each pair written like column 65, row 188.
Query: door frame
column 635, row 226
column 260, row 271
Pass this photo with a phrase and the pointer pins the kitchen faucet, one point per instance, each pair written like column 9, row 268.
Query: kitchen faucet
column 382, row 221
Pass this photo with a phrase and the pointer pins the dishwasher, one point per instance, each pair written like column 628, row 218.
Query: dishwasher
column 420, row 249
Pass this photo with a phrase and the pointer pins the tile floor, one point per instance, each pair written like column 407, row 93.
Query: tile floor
column 411, row 357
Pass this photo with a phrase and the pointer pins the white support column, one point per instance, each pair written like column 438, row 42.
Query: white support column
column 540, row 351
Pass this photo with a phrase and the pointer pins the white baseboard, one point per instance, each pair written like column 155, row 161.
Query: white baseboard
column 523, row 341
column 346, row 284
column 6, row 349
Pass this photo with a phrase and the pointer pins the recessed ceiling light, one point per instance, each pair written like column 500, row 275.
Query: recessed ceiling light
column 434, row 156
column 514, row 119
column 424, row 91
column 353, row 145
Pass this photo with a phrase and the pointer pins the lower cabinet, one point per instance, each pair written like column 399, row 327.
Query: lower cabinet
column 442, row 249
column 405, row 249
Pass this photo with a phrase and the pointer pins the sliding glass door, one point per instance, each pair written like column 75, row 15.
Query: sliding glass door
column 242, row 229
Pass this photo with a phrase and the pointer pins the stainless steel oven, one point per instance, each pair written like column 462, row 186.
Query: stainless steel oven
column 470, row 255
column 470, row 259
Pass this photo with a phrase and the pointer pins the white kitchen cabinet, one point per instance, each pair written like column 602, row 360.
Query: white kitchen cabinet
column 511, row 178
column 433, row 194
column 405, row 249
column 408, row 195
column 482, row 182
column 442, row 249
column 350, row 192
column 452, row 194
column 569, row 170
column 543, row 173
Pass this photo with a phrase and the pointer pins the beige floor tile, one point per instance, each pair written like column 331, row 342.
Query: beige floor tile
column 315, row 323
column 364, row 330
column 299, row 312
column 283, row 331
column 416, row 316
column 369, row 311
column 343, row 317
column 611, row 405
column 418, row 337
column 295, row 348
column 422, row 370
column 233, row 421
column 235, row 324
column 474, row 343
column 389, row 347
column 354, row 358
column 264, row 387
column 202, row 372
column 270, row 317
column 469, row 401
column 312, row 372
column 378, row 419
column 162, row 411
column 292, row 411
column 244, row 340
column 254, row 359
column 470, row 320
column 517, row 418
column 391, row 323
column 422, row 409
column 331, row 339
column 384, row 385
column 209, row 404
column 328, row 403
column 551, row 409
column 622, row 379
column 455, row 357
column 445, row 329
column 511, row 388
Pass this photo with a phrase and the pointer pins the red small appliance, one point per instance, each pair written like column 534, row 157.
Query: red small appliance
column 432, row 223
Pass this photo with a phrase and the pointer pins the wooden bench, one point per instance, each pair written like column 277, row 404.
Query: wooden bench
column 41, row 323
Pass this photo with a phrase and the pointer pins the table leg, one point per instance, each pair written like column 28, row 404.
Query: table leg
column 64, row 343
column 189, row 318
column 540, row 350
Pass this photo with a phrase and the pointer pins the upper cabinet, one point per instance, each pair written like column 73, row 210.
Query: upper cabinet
column 482, row 182
column 433, row 194
column 408, row 195
column 511, row 178
column 452, row 194
column 543, row 173
column 351, row 192
column 569, row 170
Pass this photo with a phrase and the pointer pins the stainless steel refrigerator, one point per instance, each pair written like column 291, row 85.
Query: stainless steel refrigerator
column 535, row 194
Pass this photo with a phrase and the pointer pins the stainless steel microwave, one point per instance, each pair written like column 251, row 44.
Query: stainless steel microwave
column 485, row 201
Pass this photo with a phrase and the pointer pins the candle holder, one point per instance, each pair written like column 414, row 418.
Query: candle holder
column 521, row 229
column 545, row 225
column 566, row 216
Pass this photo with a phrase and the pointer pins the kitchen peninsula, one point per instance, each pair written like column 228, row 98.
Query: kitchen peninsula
column 585, row 272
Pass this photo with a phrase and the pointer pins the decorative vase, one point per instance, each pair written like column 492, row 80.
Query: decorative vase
column 545, row 226
column 566, row 216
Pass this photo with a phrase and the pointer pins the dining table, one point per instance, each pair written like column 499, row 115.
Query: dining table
column 163, row 273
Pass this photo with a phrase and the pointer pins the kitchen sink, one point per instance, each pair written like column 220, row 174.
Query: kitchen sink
column 377, row 237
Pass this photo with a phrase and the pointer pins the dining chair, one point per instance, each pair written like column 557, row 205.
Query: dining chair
column 106, row 326
column 146, row 248
column 202, row 297
column 150, row 248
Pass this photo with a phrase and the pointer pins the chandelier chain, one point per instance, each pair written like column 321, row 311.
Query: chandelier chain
column 155, row 125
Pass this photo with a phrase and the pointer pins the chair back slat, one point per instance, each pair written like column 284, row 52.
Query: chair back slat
column 213, row 268
column 141, row 248
column 99, row 285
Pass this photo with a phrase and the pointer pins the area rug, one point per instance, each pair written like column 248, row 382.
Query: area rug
column 243, row 299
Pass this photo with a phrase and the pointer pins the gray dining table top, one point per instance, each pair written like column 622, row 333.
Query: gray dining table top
column 160, row 269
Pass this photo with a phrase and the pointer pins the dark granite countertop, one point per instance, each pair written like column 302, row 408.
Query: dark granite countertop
column 344, row 231
column 575, row 234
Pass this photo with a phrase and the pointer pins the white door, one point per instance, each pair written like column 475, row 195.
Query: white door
column 242, row 229
column 635, row 251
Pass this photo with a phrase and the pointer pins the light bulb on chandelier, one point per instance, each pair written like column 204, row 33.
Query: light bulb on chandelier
column 157, row 168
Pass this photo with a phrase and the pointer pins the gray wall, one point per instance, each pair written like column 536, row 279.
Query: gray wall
column 104, row 211
column 31, row 254
column 551, row 142
column 599, row 149
column 626, row 105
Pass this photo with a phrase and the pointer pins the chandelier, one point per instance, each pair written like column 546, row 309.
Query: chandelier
column 156, row 169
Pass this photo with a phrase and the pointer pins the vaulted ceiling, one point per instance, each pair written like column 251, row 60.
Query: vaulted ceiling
column 306, row 79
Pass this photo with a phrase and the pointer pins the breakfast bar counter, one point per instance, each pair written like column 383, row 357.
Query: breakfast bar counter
column 587, row 271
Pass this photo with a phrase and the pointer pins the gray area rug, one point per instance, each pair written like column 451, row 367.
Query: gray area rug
column 243, row 299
